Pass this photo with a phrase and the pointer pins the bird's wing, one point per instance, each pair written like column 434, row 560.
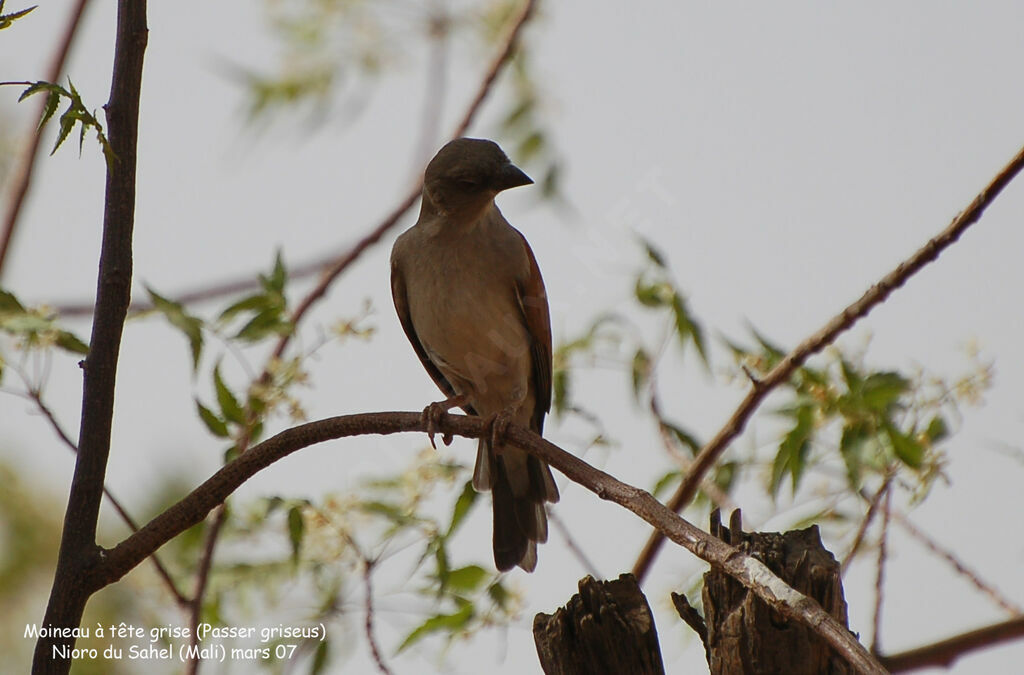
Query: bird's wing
column 398, row 294
column 533, row 301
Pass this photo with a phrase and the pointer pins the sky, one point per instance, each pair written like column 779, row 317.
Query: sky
column 784, row 157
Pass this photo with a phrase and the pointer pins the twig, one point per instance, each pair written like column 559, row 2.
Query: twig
column 79, row 553
column 330, row 267
column 22, row 181
column 370, row 635
column 746, row 570
column 573, row 546
column 202, row 579
column 945, row 652
column 865, row 523
column 818, row 341
column 883, row 554
column 161, row 571
column 962, row 569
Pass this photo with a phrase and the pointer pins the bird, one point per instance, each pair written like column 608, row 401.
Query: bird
column 471, row 300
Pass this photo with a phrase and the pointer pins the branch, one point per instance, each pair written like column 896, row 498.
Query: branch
column 875, row 296
column 368, row 619
column 202, row 579
column 23, row 180
column 748, row 571
column 78, row 550
column 330, row 267
column 947, row 651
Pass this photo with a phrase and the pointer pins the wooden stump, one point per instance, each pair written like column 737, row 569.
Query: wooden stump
column 605, row 628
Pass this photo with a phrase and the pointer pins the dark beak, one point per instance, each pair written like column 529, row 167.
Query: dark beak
column 511, row 176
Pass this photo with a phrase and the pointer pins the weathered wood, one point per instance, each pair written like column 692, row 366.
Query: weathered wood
column 746, row 636
column 606, row 628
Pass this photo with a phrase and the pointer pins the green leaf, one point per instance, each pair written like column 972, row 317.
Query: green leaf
column 190, row 326
column 320, row 659
column 881, row 391
column 684, row 437
column 687, row 328
column 792, row 455
column 641, row 371
column 7, row 19
column 466, row 579
column 230, row 409
column 67, row 341
column 265, row 323
column 937, row 429
column 462, row 507
column 657, row 294
column 907, row 449
column 9, row 303
column 560, row 387
column 258, row 303
column 773, row 352
column 852, row 447
column 215, row 424
column 296, row 530
column 668, row 479
column 654, row 254
column 278, row 276
column 499, row 594
column 449, row 623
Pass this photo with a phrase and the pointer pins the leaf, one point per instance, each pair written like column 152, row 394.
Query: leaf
column 7, row 19
column 793, row 450
column 851, row 447
column 258, row 302
column 907, row 449
column 466, row 579
column 229, row 406
column 439, row 622
column 653, row 253
column 666, row 480
column 462, row 507
column 641, row 371
column 937, row 429
column 657, row 294
column 215, row 424
column 684, row 437
column 296, row 530
column 881, row 391
column 687, row 328
column 67, row 341
column 9, row 303
column 190, row 326
column 320, row 659
column 560, row 387
column 278, row 276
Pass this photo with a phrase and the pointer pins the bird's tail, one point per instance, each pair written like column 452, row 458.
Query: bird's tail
column 520, row 484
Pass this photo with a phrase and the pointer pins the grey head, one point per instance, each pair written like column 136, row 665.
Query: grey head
column 466, row 174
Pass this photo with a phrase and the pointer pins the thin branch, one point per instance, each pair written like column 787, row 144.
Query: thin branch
column 945, row 652
column 749, row 572
column 938, row 549
column 865, row 523
column 574, row 548
column 368, row 623
column 202, row 579
column 23, row 179
column 875, row 296
column 55, row 424
column 79, row 554
column 883, row 554
column 330, row 267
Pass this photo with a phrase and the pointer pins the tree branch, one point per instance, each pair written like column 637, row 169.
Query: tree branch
column 945, row 652
column 79, row 553
column 875, row 296
column 23, row 179
column 748, row 571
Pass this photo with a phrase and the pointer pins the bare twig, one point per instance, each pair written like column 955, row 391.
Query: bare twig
column 749, row 572
column 371, row 636
column 818, row 341
column 945, row 652
column 23, row 179
column 330, row 267
column 202, row 580
column 573, row 546
column 883, row 554
column 865, row 523
column 165, row 576
column 938, row 549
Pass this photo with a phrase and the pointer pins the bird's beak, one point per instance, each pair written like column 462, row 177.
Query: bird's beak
column 511, row 176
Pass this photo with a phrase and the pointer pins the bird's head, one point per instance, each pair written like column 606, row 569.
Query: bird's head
column 465, row 175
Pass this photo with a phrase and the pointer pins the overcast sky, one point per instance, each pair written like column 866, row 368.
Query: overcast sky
column 783, row 155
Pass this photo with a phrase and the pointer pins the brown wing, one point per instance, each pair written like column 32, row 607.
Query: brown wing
column 402, row 307
column 533, row 301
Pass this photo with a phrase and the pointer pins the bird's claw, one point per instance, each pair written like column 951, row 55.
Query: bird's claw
column 499, row 426
column 432, row 418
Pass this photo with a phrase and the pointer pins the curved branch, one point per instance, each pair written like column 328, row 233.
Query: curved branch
column 875, row 296
column 945, row 652
column 748, row 571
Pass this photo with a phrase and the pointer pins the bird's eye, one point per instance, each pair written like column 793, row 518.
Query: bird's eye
column 466, row 183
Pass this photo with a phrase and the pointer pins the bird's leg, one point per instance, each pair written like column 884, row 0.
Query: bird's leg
column 432, row 416
column 498, row 426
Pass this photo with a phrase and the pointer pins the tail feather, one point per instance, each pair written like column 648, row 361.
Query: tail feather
column 520, row 519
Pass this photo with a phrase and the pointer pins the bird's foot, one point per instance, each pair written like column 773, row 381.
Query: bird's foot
column 432, row 417
column 498, row 426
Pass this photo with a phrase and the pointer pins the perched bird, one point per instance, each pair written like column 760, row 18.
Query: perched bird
column 471, row 300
